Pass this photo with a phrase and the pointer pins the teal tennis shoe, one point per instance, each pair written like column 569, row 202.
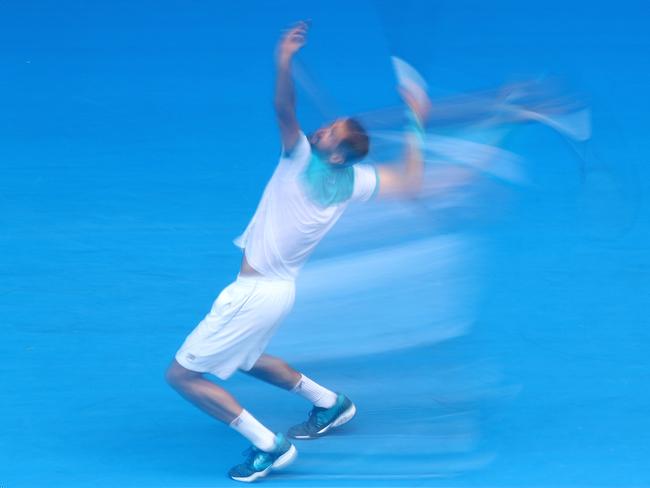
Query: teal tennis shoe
column 322, row 420
column 260, row 463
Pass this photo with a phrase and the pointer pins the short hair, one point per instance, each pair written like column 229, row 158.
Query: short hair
column 356, row 144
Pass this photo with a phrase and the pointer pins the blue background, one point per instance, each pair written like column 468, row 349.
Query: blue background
column 136, row 138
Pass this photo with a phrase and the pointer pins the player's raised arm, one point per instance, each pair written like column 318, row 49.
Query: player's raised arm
column 405, row 180
column 285, row 98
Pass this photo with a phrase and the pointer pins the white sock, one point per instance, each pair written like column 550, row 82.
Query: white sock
column 254, row 431
column 312, row 391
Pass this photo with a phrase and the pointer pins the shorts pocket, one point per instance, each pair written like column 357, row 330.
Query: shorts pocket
column 224, row 300
column 228, row 303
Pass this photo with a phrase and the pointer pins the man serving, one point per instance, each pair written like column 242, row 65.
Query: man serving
column 315, row 180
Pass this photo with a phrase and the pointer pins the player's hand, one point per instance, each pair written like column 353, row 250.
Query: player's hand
column 292, row 40
column 418, row 102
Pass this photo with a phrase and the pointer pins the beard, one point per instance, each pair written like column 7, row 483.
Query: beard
column 314, row 138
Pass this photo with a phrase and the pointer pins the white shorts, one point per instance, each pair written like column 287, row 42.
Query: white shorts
column 239, row 326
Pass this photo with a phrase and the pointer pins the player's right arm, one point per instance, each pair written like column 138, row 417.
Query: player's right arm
column 405, row 179
column 285, row 97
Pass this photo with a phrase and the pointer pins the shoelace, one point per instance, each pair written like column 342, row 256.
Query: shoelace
column 251, row 454
column 314, row 413
column 249, row 450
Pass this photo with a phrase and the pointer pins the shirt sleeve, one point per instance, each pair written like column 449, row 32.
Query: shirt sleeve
column 366, row 182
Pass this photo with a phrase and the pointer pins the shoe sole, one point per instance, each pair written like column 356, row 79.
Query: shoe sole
column 344, row 418
column 283, row 461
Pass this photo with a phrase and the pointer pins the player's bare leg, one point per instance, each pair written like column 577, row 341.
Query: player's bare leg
column 269, row 450
column 211, row 398
column 275, row 371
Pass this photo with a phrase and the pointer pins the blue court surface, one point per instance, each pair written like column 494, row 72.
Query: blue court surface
column 136, row 140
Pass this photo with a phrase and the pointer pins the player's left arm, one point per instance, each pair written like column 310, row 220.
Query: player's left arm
column 405, row 179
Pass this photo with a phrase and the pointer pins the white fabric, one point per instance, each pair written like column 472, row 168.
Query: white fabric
column 287, row 225
column 315, row 393
column 366, row 181
column 254, row 431
column 239, row 326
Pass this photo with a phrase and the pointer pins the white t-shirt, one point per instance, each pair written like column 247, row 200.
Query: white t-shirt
column 287, row 224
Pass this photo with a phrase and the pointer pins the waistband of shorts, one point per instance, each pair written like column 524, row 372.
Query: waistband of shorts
column 267, row 279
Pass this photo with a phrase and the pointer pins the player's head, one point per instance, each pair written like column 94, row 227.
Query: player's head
column 342, row 142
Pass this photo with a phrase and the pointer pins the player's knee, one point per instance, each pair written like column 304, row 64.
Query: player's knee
column 176, row 375
column 171, row 376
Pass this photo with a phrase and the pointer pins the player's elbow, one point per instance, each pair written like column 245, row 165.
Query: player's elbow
column 401, row 189
column 283, row 110
column 397, row 184
column 411, row 186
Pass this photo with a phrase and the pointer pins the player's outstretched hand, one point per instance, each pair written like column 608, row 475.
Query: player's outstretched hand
column 292, row 40
column 412, row 88
column 419, row 103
